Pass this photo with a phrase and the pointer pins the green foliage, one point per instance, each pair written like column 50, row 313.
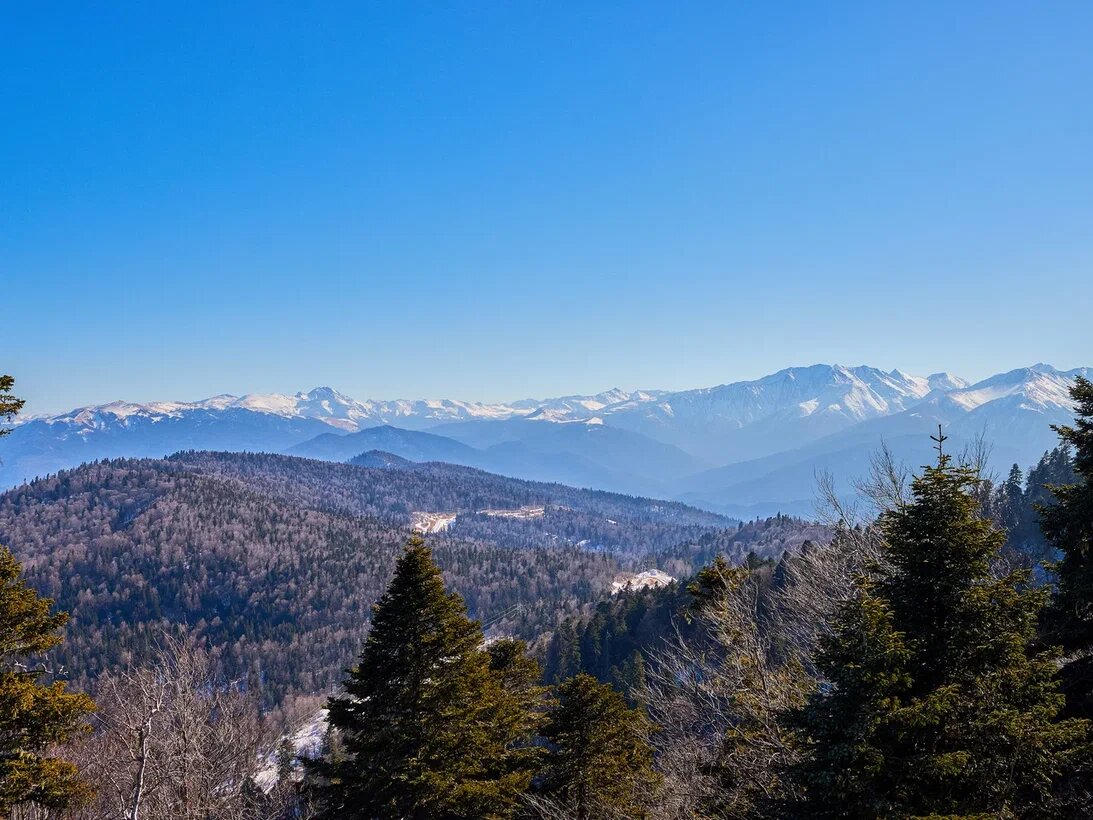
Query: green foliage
column 33, row 716
column 600, row 761
column 711, row 583
column 431, row 725
column 1068, row 524
column 526, row 700
column 9, row 404
column 1016, row 505
column 936, row 703
column 611, row 642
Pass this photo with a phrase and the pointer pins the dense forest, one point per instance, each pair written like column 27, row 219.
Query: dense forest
column 276, row 561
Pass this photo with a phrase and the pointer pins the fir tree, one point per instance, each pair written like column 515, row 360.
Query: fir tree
column 600, row 762
column 936, row 703
column 33, row 716
column 9, row 404
column 564, row 657
column 526, row 700
column 842, row 773
column 711, row 583
column 1068, row 524
column 1010, row 502
column 427, row 728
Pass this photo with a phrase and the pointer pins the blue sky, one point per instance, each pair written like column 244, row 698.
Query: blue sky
column 493, row 200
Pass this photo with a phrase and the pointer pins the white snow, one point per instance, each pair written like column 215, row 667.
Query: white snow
column 306, row 742
column 430, row 522
column 522, row 512
column 649, row 579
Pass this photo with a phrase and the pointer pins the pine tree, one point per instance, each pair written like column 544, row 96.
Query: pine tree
column 712, row 582
column 9, row 404
column 1011, row 500
column 936, row 704
column 1068, row 524
column 526, row 699
column 428, row 729
column 600, row 762
column 33, row 716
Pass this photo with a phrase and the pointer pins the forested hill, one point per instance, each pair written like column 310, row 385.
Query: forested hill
column 480, row 505
column 399, row 488
column 277, row 560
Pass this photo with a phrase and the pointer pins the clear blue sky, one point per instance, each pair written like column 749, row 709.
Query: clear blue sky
column 491, row 200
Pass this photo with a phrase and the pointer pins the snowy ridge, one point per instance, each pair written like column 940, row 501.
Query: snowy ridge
column 1038, row 387
column 342, row 412
column 323, row 404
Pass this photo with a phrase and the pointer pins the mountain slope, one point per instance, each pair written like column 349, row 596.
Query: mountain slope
column 1012, row 412
column 746, row 420
column 41, row 446
column 413, row 445
column 581, row 454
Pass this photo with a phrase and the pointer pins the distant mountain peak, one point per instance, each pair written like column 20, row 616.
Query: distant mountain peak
column 946, row 381
column 325, row 393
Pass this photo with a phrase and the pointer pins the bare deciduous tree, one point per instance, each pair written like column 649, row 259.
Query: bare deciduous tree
column 171, row 741
column 717, row 698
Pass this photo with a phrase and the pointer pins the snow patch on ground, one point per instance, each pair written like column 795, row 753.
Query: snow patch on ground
column 306, row 742
column 649, row 579
column 522, row 512
column 430, row 522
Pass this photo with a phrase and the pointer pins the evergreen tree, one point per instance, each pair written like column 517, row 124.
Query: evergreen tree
column 1068, row 524
column 33, row 716
column 9, row 404
column 1017, row 509
column 1010, row 500
column 600, row 761
column 936, row 703
column 712, row 582
column 428, row 729
column 564, row 655
column 847, row 727
column 527, row 700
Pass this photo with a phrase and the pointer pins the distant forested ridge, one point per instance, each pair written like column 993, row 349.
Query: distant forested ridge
column 275, row 560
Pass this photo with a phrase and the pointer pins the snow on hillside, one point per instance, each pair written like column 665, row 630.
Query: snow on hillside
column 583, row 407
column 1039, row 386
column 430, row 522
column 306, row 742
column 323, row 404
column 649, row 579
column 521, row 513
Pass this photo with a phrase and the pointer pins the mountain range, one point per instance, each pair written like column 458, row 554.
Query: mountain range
column 745, row 448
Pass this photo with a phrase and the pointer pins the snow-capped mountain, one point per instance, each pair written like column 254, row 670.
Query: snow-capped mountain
column 322, row 404
column 1012, row 412
column 567, row 408
column 750, row 446
column 744, row 420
